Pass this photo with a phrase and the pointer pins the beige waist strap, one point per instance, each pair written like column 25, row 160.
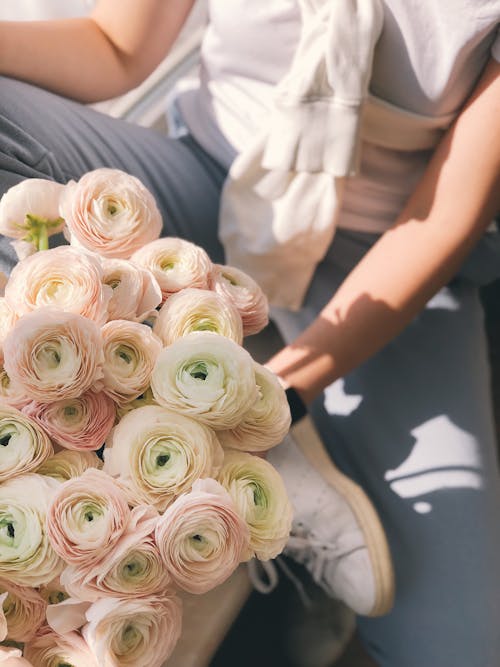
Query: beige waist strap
column 389, row 126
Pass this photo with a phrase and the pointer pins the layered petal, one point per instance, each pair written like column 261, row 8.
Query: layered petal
column 49, row 649
column 135, row 290
column 67, row 464
column 34, row 197
column 24, row 610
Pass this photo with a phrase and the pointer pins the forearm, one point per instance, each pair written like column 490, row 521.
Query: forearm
column 450, row 209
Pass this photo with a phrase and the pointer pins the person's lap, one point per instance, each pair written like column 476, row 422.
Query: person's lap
column 412, row 426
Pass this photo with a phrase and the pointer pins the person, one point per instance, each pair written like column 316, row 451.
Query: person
column 387, row 348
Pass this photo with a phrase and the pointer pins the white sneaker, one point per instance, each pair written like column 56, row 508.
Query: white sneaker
column 336, row 532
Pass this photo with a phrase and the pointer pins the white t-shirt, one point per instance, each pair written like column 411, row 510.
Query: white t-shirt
column 427, row 60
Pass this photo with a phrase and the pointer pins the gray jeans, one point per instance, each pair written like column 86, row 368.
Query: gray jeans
column 413, row 425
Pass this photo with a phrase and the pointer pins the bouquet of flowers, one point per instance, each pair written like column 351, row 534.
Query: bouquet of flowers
column 130, row 420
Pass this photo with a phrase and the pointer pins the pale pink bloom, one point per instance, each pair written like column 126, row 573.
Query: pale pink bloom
column 194, row 309
column 68, row 463
column 157, row 454
column 136, row 292
column 244, row 293
column 26, row 557
column 35, row 197
column 12, row 657
column 130, row 353
column 67, row 616
column 87, row 517
column 81, row 423
column 7, row 319
column 49, row 649
column 24, row 610
column 202, row 538
column 24, row 444
column 133, row 633
column 64, row 278
column 268, row 420
column 133, row 568
column 111, row 213
column 53, row 355
column 11, row 393
column 175, row 263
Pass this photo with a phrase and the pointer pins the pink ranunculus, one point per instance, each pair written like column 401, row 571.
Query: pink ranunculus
column 24, row 610
column 32, row 197
column 111, row 213
column 130, row 353
column 202, row 538
column 175, row 263
column 24, row 444
column 136, row 292
column 67, row 615
column 81, row 423
column 64, row 278
column 12, row 657
column 49, row 649
column 244, row 293
column 7, row 320
column 53, row 355
column 87, row 517
column 134, row 566
column 133, row 633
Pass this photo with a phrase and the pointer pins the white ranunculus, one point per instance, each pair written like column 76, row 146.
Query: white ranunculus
column 261, row 498
column 136, row 292
column 32, row 198
column 26, row 556
column 207, row 377
column 158, row 454
column 194, row 309
column 268, row 420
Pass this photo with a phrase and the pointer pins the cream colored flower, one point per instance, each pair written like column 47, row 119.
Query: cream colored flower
column 30, row 200
column 133, row 633
column 157, row 454
column 268, row 420
column 111, row 213
column 26, row 556
column 207, row 377
column 81, row 423
column 12, row 657
column 244, row 293
column 202, row 538
column 133, row 568
column 175, row 263
column 24, row 611
column 49, row 649
column 194, row 309
column 130, row 353
column 68, row 464
column 87, row 517
column 53, row 355
column 64, row 278
column 135, row 290
column 24, row 445
column 7, row 320
column 261, row 498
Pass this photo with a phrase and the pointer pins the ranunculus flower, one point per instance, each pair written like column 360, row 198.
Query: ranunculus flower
column 53, row 355
column 268, row 420
column 29, row 204
column 202, row 538
column 194, row 309
column 12, row 657
column 67, row 464
column 130, row 353
column 24, row 610
column 11, row 393
column 206, row 376
column 261, row 498
column 133, row 568
column 64, row 278
column 175, row 263
column 157, row 454
column 244, row 293
column 7, row 320
column 81, row 423
column 49, row 649
column 24, row 445
column 136, row 292
column 111, row 213
column 26, row 556
column 87, row 517
column 68, row 615
column 133, row 633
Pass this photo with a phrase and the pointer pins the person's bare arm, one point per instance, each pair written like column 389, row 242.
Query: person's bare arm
column 450, row 209
column 96, row 57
